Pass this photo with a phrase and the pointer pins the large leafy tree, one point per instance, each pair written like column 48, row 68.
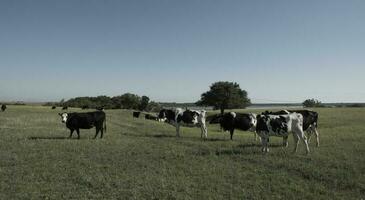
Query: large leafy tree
column 225, row 95
column 144, row 103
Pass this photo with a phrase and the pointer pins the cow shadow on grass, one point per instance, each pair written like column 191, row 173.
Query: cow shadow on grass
column 246, row 149
column 48, row 138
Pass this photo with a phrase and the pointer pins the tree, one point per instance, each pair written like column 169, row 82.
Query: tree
column 225, row 95
column 312, row 103
column 144, row 103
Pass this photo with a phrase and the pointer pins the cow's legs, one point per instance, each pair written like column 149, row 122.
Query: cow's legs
column 296, row 142
column 71, row 131
column 204, row 132
column 317, row 135
column 265, row 141
column 78, row 133
column 231, row 132
column 304, row 138
column 97, row 131
column 285, row 141
column 101, row 132
column 177, row 130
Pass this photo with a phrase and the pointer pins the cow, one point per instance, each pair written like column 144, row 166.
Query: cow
column 136, row 114
column 64, row 107
column 310, row 121
column 281, row 125
column 214, row 119
column 100, row 108
column 3, row 107
column 85, row 107
column 243, row 121
column 53, row 107
column 191, row 118
column 76, row 121
column 150, row 117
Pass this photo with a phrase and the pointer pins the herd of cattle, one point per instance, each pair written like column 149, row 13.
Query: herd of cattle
column 263, row 125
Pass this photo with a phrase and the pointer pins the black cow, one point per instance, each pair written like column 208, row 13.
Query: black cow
column 53, row 107
column 100, row 108
column 214, row 119
column 243, row 121
column 310, row 121
column 136, row 114
column 150, row 117
column 64, row 107
column 85, row 107
column 76, row 121
column 3, row 107
column 179, row 117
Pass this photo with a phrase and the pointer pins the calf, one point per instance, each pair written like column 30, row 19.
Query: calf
column 281, row 125
column 243, row 121
column 76, row 121
column 310, row 121
column 178, row 117
column 136, row 114
column 3, row 107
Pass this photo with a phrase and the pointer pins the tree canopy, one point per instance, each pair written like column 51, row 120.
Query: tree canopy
column 225, row 95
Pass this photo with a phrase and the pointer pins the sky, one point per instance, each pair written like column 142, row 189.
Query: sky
column 281, row 51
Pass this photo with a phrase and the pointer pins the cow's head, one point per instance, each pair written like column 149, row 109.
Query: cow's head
column 253, row 121
column 162, row 115
column 64, row 117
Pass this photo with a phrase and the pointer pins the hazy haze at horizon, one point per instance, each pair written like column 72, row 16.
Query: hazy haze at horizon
column 172, row 51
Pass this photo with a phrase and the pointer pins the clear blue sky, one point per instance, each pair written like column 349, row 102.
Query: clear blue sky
column 170, row 50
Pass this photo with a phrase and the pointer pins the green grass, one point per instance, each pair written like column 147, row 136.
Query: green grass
column 140, row 159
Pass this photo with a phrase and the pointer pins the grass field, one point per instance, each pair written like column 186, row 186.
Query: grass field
column 139, row 159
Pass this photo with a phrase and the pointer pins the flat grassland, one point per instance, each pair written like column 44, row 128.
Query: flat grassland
column 142, row 159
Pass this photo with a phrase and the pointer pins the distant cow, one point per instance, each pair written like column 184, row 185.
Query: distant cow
column 281, row 125
column 76, row 121
column 64, row 107
column 99, row 108
column 136, row 114
column 310, row 121
column 3, row 107
column 150, row 117
column 53, row 107
column 243, row 121
column 178, row 117
column 85, row 107
column 214, row 119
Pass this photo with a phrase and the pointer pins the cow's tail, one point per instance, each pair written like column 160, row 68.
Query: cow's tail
column 105, row 125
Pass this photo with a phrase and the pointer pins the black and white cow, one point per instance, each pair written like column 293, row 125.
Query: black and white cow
column 242, row 121
column 136, row 114
column 310, row 121
column 76, row 121
column 3, row 107
column 191, row 118
column 281, row 125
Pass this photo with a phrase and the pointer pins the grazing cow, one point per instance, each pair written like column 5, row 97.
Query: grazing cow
column 3, row 107
column 243, row 121
column 281, row 125
column 310, row 121
column 85, row 107
column 150, row 117
column 214, row 119
column 53, row 107
column 191, row 118
column 136, row 114
column 64, row 107
column 76, row 121
column 100, row 108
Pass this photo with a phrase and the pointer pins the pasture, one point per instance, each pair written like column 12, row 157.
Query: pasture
column 142, row 159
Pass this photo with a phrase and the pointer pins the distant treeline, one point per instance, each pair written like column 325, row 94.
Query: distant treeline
column 125, row 101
